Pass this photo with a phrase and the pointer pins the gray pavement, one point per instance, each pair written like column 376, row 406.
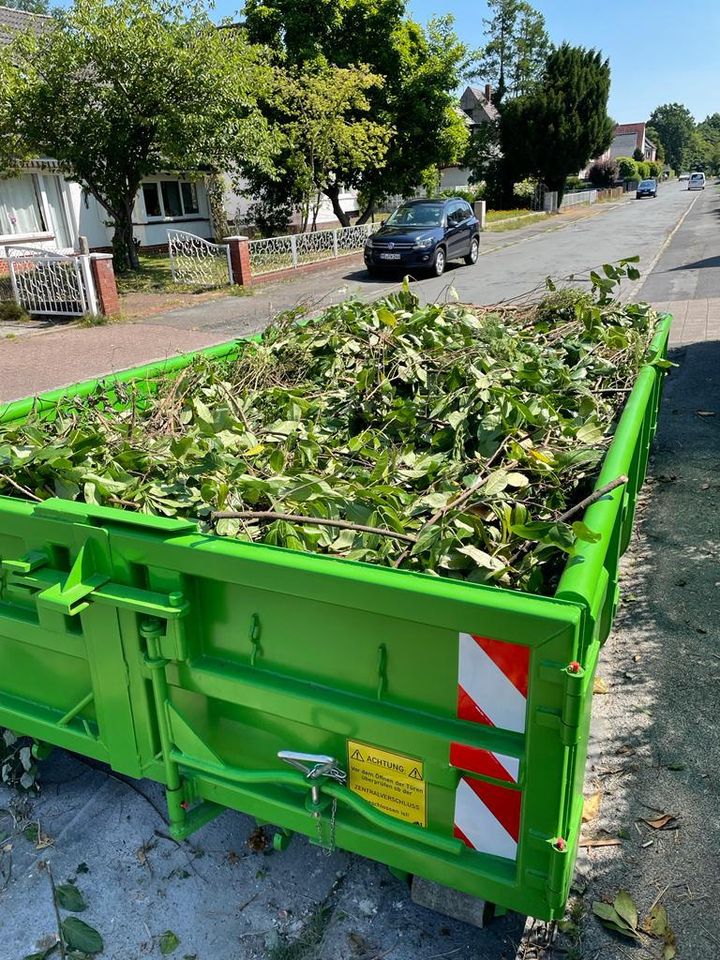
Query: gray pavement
column 655, row 735
column 655, row 738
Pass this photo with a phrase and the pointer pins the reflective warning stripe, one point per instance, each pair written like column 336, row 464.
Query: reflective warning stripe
column 492, row 690
column 492, row 682
column 487, row 817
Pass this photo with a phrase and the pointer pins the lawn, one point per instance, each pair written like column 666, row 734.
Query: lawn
column 155, row 276
column 502, row 224
column 492, row 216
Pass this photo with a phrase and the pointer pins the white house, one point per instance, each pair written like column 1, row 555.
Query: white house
column 42, row 207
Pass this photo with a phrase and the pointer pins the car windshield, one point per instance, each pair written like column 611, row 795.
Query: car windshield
column 648, row 183
column 417, row 215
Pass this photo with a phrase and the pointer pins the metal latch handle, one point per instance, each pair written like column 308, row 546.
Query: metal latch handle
column 313, row 765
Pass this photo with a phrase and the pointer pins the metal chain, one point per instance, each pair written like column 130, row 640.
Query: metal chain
column 328, row 848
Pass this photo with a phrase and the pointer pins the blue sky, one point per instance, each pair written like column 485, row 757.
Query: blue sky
column 661, row 51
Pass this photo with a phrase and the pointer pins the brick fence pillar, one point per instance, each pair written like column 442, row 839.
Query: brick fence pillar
column 240, row 260
column 105, row 286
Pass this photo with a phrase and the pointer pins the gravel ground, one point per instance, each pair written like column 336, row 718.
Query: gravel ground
column 656, row 740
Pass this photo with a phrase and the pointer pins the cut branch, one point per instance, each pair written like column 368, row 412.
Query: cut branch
column 317, row 521
column 592, row 498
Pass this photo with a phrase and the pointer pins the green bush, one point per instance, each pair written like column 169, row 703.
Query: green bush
column 627, row 168
column 603, row 173
column 471, row 193
column 11, row 312
column 656, row 169
column 644, row 170
column 574, row 183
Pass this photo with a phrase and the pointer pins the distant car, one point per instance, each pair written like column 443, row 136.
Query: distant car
column 646, row 188
column 684, row 176
column 696, row 181
column 425, row 234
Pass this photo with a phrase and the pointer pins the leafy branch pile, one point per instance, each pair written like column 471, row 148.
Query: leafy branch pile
column 461, row 436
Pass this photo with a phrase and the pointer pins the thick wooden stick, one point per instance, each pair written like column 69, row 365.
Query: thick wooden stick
column 592, row 498
column 318, row 521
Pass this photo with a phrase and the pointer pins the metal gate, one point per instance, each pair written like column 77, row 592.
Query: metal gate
column 197, row 261
column 51, row 284
column 538, row 198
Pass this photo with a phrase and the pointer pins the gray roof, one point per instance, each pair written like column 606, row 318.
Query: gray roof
column 12, row 21
column 478, row 95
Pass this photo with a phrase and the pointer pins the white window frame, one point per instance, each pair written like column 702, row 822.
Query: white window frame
column 164, row 218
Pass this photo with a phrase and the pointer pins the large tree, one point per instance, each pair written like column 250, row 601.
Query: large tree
column 324, row 134
column 674, row 124
column 117, row 91
column 420, row 70
column 518, row 45
column 553, row 132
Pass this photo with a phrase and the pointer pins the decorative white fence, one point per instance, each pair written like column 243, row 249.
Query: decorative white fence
column 578, row 197
column 294, row 250
column 51, row 284
column 196, row 261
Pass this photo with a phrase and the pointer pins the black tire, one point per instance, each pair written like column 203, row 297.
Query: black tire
column 439, row 262
column 474, row 253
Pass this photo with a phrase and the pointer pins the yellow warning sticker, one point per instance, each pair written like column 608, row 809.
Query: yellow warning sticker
column 391, row 782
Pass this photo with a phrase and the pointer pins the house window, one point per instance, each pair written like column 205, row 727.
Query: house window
column 151, row 195
column 170, row 199
column 20, row 207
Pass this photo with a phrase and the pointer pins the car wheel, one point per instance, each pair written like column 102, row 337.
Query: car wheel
column 472, row 256
column 438, row 264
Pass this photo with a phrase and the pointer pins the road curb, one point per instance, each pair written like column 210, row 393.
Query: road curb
column 637, row 285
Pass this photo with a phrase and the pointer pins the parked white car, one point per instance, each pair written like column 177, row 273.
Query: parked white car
column 696, row 181
column 684, row 176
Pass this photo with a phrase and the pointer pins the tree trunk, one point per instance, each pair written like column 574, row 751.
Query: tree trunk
column 332, row 192
column 125, row 253
column 367, row 212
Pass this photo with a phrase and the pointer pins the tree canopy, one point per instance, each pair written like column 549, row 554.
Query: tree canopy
column 118, row 91
column 514, row 57
column 29, row 6
column 419, row 70
column 553, row 132
column 674, row 125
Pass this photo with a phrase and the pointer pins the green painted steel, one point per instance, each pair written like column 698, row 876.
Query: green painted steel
column 195, row 659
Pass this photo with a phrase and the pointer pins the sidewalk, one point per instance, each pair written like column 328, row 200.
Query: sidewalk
column 655, row 742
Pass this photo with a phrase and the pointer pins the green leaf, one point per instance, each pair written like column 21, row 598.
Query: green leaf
column 625, row 907
column 495, row 483
column 70, row 898
column 583, row 532
column 481, row 559
column 43, row 954
column 79, row 935
column 169, row 942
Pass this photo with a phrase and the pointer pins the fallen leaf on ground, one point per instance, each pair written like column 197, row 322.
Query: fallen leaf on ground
column 591, row 807
column 169, row 942
column 705, row 413
column 259, row 841
column 599, row 686
column 80, row 936
column 620, row 916
column 668, row 821
column 70, row 898
column 656, row 922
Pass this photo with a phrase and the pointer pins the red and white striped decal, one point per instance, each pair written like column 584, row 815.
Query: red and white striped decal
column 492, row 690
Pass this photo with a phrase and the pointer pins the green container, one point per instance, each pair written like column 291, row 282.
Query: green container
column 445, row 723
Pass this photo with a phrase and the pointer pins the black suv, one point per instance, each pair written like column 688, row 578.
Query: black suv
column 425, row 234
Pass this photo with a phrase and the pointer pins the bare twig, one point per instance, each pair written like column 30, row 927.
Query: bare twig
column 318, row 521
column 592, row 498
column 19, row 487
column 61, row 940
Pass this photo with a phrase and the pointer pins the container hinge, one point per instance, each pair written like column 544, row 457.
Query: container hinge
column 573, row 703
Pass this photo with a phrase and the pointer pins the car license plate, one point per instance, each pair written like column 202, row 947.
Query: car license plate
column 389, row 256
